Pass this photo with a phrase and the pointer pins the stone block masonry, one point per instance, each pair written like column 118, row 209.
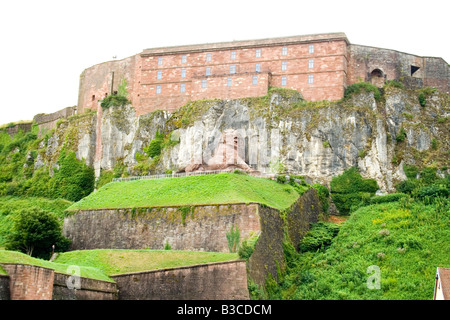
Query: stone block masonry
column 28, row 282
column 198, row 228
column 211, row 281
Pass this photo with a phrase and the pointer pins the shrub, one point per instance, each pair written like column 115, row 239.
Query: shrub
column 407, row 186
column 359, row 87
column 422, row 99
column 351, row 181
column 432, row 191
column 387, row 198
column 34, row 233
column 114, row 101
column 350, row 190
column 233, row 238
column 155, row 147
column 394, row 84
column 401, row 135
column 318, row 237
column 323, row 193
column 410, row 171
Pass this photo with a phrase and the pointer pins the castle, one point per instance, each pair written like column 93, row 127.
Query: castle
column 319, row 66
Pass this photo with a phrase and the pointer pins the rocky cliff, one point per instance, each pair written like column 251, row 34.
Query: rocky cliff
column 279, row 132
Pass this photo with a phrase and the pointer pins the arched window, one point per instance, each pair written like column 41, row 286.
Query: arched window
column 377, row 77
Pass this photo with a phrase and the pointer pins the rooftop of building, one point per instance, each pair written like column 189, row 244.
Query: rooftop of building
column 246, row 44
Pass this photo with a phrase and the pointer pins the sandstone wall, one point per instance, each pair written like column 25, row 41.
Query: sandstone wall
column 212, row 281
column 29, row 282
column 91, row 289
column 4, row 287
column 203, row 228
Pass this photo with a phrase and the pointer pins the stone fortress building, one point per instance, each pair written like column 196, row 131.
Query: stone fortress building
column 319, row 66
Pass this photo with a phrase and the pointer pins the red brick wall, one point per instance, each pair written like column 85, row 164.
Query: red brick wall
column 29, row 282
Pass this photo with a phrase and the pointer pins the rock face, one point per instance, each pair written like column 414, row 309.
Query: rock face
column 318, row 140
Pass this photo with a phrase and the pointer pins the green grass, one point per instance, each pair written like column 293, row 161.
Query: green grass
column 193, row 190
column 102, row 263
column 117, row 261
column 18, row 257
column 415, row 244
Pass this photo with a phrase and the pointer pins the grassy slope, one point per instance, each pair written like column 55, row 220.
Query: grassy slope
column 207, row 189
column 101, row 263
column 340, row 272
column 123, row 261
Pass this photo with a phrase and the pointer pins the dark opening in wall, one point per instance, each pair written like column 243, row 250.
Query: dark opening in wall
column 93, row 97
column 414, row 69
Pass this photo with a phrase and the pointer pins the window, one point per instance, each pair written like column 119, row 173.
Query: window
column 310, row 78
column 311, row 48
column 208, row 57
column 204, row 83
column 159, row 61
column 233, row 55
column 208, row 71
column 255, row 80
column 258, row 53
column 158, row 89
column 229, row 81
column 311, row 63
column 183, row 59
column 258, row 67
column 284, row 51
column 159, row 75
column 232, row 69
column 183, row 87
column 283, row 81
column 183, row 73
column 284, row 65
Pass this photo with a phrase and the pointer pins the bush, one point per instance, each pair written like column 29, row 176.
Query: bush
column 34, row 233
column 422, row 99
column 156, row 145
column 359, row 87
column 387, row 198
column 351, row 181
column 318, row 237
column 401, row 135
column 323, row 193
column 114, row 101
column 407, row 186
column 432, row 191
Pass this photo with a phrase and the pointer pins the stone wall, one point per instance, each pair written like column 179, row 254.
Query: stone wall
column 91, row 289
column 203, row 228
column 4, row 287
column 28, row 282
column 212, row 281
column 25, row 127
column 48, row 121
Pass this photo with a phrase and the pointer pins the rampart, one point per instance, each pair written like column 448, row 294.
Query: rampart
column 198, row 228
column 48, row 121
column 211, row 281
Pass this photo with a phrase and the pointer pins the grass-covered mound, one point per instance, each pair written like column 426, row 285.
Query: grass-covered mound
column 102, row 263
column 117, row 261
column 191, row 190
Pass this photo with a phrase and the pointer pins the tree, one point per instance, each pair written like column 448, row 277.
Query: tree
column 35, row 231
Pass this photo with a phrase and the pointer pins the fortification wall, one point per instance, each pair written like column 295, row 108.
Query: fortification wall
column 198, row 228
column 25, row 127
column 212, row 281
column 29, row 282
column 366, row 62
column 90, row 289
column 268, row 256
column 4, row 287
column 48, row 121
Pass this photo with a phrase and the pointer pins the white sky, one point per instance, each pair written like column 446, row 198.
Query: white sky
column 46, row 44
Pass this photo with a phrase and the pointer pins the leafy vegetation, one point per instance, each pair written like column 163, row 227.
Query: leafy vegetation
column 350, row 189
column 34, row 232
column 117, row 100
column 360, row 87
column 190, row 190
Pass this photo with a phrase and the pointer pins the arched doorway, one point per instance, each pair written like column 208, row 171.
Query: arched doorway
column 377, row 77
